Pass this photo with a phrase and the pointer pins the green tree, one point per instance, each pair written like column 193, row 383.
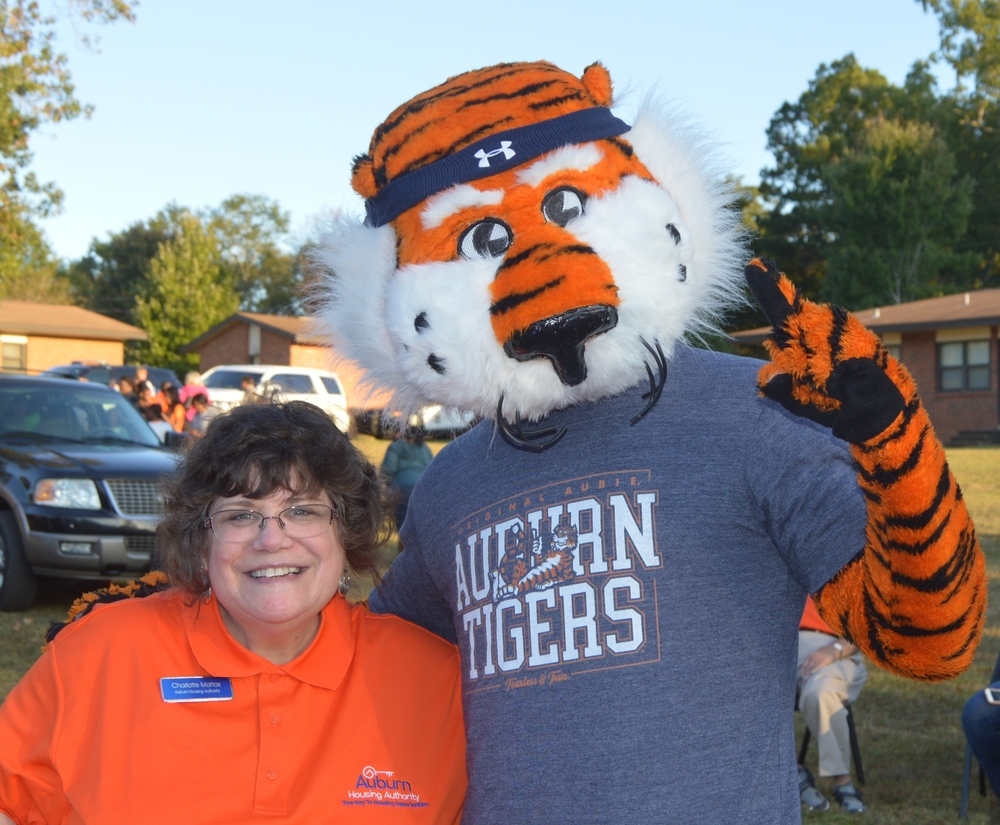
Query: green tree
column 970, row 44
column 896, row 208
column 188, row 293
column 28, row 269
column 250, row 230
column 115, row 272
column 247, row 233
column 809, row 139
column 35, row 89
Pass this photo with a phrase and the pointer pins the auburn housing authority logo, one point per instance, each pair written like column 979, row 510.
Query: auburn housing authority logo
column 375, row 787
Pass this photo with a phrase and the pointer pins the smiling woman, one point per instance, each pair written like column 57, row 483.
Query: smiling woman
column 250, row 684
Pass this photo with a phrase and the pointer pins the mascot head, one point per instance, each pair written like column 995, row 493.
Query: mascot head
column 525, row 249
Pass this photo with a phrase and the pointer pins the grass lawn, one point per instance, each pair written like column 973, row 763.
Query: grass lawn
column 910, row 733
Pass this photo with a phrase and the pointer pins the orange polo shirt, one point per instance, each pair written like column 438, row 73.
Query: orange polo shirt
column 364, row 727
column 811, row 620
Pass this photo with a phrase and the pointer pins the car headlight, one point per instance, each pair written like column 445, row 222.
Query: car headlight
column 77, row 493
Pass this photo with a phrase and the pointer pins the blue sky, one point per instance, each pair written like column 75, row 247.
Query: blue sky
column 201, row 99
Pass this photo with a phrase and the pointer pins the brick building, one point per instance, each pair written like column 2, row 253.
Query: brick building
column 35, row 336
column 950, row 346
column 254, row 338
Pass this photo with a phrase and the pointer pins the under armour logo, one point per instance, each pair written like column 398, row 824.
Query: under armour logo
column 505, row 150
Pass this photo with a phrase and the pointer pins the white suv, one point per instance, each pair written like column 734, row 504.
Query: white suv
column 318, row 387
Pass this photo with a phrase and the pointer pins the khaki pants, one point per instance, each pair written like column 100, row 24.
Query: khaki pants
column 821, row 701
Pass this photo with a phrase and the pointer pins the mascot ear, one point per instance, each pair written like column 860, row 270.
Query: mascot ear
column 363, row 176
column 597, row 81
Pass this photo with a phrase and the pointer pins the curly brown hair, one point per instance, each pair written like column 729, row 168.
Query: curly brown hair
column 252, row 451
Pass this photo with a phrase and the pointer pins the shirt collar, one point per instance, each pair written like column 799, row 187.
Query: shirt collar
column 323, row 664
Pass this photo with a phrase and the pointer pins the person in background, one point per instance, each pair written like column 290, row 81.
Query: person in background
column 153, row 414
column 203, row 413
column 142, row 378
column 249, row 688
column 981, row 722
column 173, row 410
column 126, row 386
column 830, row 671
column 250, row 395
column 144, row 391
column 406, row 458
column 192, row 386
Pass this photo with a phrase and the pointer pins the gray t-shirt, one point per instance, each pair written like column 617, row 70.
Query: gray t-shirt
column 627, row 602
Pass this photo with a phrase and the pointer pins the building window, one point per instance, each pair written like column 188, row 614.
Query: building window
column 253, row 343
column 893, row 342
column 15, row 353
column 964, row 365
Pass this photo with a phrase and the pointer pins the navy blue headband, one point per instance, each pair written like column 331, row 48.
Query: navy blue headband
column 491, row 155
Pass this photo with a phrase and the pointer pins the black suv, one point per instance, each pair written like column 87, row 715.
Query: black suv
column 79, row 492
column 104, row 374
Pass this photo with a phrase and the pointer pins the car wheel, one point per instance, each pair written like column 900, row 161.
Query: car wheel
column 18, row 583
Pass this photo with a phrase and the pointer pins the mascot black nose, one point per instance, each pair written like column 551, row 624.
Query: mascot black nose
column 561, row 339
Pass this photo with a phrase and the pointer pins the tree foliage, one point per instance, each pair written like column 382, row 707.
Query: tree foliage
column 882, row 193
column 970, row 43
column 896, row 209
column 249, row 230
column 115, row 272
column 246, row 233
column 188, row 292
column 808, row 139
column 35, row 89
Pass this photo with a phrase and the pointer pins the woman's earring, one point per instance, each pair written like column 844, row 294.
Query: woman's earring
column 345, row 583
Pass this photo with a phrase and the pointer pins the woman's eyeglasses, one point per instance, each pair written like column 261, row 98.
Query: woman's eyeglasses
column 301, row 521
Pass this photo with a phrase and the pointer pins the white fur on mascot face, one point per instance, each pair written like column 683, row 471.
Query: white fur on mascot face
column 674, row 247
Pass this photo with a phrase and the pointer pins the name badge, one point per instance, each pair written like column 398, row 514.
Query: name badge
column 196, row 689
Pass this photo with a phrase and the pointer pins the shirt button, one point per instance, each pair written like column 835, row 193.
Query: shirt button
column 272, row 775
column 275, row 719
column 274, row 677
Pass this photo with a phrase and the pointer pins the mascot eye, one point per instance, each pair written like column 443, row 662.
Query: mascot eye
column 562, row 205
column 486, row 239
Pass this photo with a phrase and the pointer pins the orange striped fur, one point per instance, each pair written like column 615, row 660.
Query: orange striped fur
column 465, row 108
column 531, row 283
column 914, row 600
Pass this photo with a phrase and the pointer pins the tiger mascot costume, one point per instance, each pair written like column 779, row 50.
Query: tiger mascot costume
column 623, row 547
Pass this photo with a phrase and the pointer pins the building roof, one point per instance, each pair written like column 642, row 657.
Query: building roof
column 964, row 309
column 63, row 321
column 293, row 327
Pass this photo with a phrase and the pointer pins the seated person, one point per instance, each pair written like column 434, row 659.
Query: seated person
column 249, row 688
column 981, row 721
column 830, row 670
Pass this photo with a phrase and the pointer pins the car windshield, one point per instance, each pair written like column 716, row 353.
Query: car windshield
column 75, row 412
column 229, row 379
